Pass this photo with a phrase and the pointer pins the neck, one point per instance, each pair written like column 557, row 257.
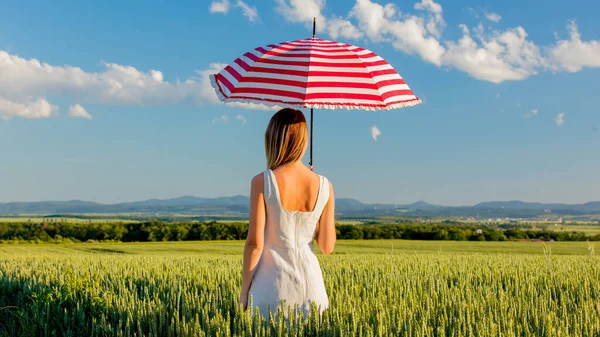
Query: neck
column 292, row 165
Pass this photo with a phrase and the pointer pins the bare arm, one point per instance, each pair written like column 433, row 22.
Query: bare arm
column 256, row 236
column 326, row 227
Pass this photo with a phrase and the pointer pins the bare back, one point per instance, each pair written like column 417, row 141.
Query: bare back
column 298, row 188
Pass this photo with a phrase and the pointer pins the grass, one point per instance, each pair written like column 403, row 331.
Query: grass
column 375, row 288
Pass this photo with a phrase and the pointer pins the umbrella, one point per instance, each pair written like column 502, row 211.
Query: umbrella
column 313, row 73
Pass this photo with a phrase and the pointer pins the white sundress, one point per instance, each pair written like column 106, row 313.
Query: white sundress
column 288, row 269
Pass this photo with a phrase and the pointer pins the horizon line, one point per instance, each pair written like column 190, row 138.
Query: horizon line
column 337, row 198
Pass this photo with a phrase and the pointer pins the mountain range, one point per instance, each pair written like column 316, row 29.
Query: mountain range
column 346, row 207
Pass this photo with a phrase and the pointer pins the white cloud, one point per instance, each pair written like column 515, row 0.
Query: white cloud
column 338, row 27
column 429, row 5
column 494, row 17
column 532, row 113
column 509, row 55
column 79, row 111
column 116, row 85
column 241, row 118
column 497, row 95
column 375, row 133
column 220, row 6
column 369, row 16
column 495, row 56
column 28, row 109
column 408, row 33
column 224, row 6
column 302, row 11
column 436, row 21
column 221, row 119
column 25, row 84
column 250, row 12
column 560, row 119
column 574, row 54
column 498, row 57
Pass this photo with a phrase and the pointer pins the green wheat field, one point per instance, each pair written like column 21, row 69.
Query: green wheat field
column 376, row 288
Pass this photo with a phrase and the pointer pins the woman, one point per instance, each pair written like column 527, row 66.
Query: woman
column 290, row 208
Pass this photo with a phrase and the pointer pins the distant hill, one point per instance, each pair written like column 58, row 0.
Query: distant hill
column 344, row 206
column 186, row 204
column 422, row 205
column 347, row 203
column 590, row 206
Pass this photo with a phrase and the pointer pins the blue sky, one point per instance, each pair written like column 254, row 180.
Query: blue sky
column 109, row 101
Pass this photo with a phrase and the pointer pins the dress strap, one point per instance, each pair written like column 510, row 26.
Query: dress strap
column 270, row 189
column 323, row 194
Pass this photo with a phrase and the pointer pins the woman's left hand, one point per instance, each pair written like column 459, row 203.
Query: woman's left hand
column 243, row 301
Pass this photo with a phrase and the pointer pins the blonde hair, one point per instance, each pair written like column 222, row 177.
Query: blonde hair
column 286, row 138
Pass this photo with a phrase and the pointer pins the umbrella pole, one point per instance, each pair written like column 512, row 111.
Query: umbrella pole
column 311, row 110
column 311, row 139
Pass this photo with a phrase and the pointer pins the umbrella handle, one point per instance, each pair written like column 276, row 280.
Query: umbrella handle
column 311, row 141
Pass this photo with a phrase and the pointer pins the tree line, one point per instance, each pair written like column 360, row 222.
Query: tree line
column 162, row 231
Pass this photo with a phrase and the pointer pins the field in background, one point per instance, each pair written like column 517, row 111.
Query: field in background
column 66, row 219
column 589, row 230
column 343, row 247
column 99, row 218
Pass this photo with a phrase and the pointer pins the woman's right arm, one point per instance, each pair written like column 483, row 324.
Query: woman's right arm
column 256, row 236
column 326, row 228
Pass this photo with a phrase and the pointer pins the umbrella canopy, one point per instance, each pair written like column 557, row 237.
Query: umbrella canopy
column 314, row 73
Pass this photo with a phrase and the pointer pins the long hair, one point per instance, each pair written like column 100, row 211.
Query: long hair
column 286, row 138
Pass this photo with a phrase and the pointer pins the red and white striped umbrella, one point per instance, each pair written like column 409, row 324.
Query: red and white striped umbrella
column 314, row 73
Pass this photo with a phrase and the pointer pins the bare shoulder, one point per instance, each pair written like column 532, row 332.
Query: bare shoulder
column 258, row 181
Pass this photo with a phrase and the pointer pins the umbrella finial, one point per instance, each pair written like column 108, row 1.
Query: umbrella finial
column 314, row 26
